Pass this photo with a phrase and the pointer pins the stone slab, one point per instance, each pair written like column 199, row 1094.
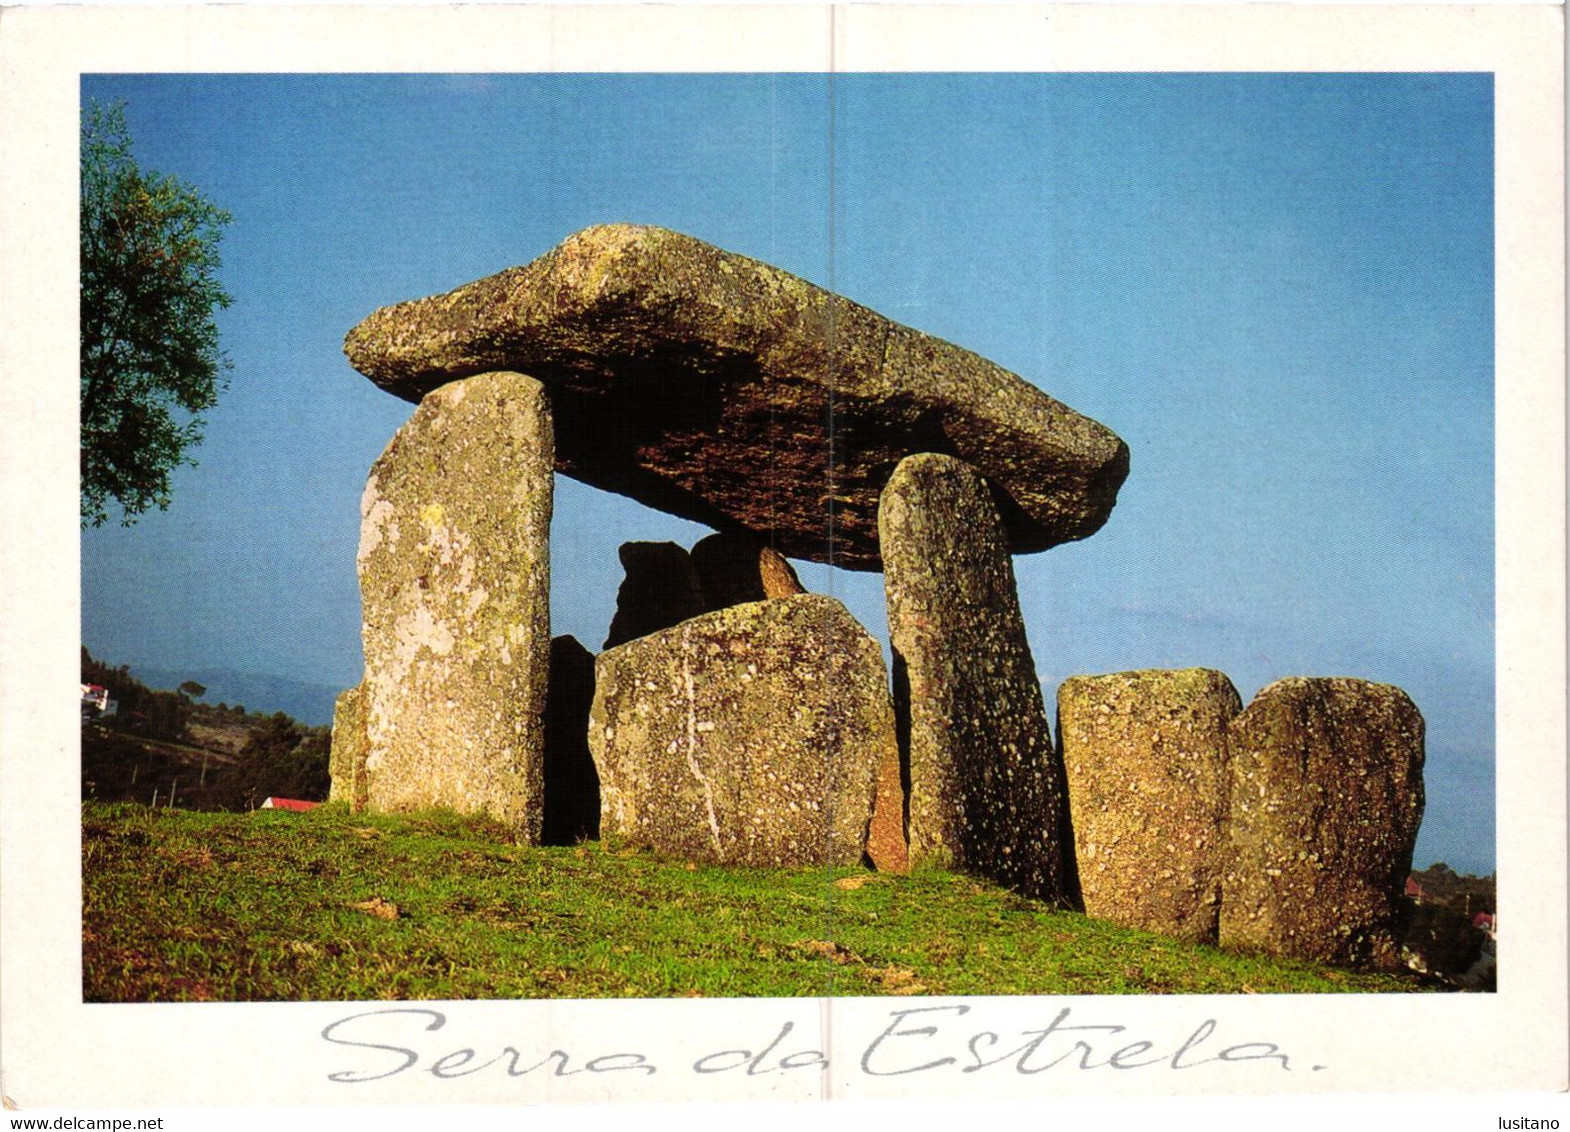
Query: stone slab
column 986, row 786
column 734, row 568
column 887, row 846
column 1326, row 799
column 455, row 591
column 572, row 786
column 660, row 589
column 347, row 753
column 1146, row 758
column 749, row 736
column 727, row 391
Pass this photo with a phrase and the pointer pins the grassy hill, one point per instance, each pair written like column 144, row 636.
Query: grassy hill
column 182, row 905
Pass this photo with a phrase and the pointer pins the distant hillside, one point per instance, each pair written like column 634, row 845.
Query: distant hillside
column 309, row 703
column 1443, row 885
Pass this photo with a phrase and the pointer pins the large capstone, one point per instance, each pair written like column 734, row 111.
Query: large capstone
column 1327, row 794
column 347, row 753
column 723, row 390
column 454, row 582
column 986, row 786
column 751, row 735
column 1146, row 758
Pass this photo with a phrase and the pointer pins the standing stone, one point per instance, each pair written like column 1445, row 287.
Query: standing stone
column 455, row 580
column 660, row 590
column 734, row 567
column 1146, row 759
column 986, row 786
column 572, row 787
column 887, row 848
column 749, row 736
column 346, row 757
column 1327, row 794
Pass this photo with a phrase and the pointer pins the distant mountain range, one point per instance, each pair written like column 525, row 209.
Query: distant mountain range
column 306, row 702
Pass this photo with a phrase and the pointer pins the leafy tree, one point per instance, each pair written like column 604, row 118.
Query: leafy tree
column 150, row 356
column 280, row 757
column 193, row 689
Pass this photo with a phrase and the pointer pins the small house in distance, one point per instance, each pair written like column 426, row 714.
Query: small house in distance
column 287, row 804
column 96, row 701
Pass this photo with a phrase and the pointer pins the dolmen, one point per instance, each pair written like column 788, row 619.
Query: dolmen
column 732, row 717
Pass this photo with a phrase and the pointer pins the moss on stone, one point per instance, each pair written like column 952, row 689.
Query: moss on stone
column 1326, row 799
column 986, row 787
column 1146, row 758
column 751, row 735
column 454, row 579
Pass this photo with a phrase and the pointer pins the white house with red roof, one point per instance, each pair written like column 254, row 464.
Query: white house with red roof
column 96, row 697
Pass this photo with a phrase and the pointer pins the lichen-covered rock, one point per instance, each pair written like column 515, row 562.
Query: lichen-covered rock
column 346, row 757
column 986, row 786
column 1146, row 758
column 735, row 567
column 454, row 582
column 699, row 382
column 1326, row 798
column 751, row 735
column 572, row 786
column 660, row 590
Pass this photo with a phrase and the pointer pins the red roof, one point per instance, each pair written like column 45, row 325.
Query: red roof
column 1483, row 920
column 1413, row 889
column 288, row 804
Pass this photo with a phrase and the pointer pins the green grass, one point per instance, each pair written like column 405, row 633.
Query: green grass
column 183, row 906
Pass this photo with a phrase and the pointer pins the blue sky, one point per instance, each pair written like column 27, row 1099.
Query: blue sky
column 1278, row 289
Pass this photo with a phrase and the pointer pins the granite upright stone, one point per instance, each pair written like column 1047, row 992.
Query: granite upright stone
column 1146, row 758
column 454, row 579
column 1326, row 798
column 347, row 753
column 887, row 846
column 751, row 735
column 986, row 787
